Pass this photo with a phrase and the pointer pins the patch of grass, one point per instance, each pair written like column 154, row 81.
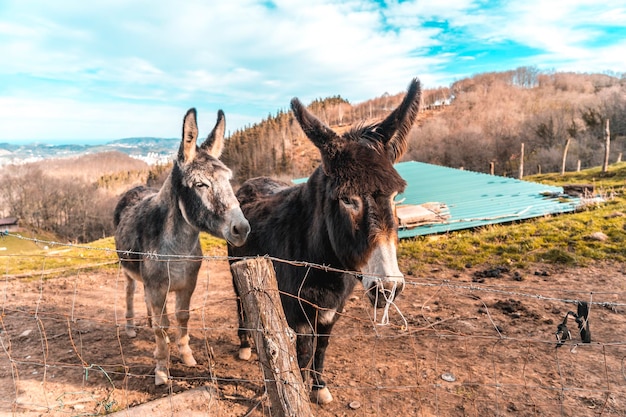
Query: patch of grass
column 212, row 246
column 24, row 242
column 564, row 239
column 614, row 178
column 11, row 245
column 32, row 254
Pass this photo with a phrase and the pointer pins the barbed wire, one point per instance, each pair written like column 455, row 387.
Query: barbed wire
column 424, row 282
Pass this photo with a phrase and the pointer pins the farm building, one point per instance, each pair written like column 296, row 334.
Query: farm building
column 9, row 224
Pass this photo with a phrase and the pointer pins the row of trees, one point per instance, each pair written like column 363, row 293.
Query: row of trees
column 72, row 209
column 73, row 198
column 277, row 146
column 492, row 116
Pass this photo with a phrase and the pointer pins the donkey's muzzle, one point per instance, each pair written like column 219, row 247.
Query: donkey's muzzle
column 383, row 292
column 238, row 230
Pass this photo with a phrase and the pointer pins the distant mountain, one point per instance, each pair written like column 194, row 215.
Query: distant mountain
column 148, row 149
column 168, row 143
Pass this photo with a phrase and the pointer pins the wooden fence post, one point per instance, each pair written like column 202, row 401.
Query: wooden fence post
column 521, row 162
column 564, row 160
column 274, row 339
column 607, row 146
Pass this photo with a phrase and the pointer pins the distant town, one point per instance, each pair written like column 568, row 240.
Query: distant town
column 152, row 151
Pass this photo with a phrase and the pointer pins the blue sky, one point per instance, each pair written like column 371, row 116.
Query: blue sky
column 76, row 71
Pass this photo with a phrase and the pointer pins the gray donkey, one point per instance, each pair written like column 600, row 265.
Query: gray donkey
column 157, row 234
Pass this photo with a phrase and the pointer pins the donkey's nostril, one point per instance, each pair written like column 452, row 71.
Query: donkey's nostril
column 240, row 229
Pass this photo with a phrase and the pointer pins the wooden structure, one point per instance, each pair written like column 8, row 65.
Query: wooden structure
column 579, row 190
column 9, row 224
column 410, row 215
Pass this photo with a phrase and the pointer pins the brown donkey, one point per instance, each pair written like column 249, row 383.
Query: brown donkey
column 343, row 217
column 157, row 235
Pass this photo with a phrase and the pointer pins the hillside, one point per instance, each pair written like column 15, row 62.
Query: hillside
column 90, row 167
column 73, row 197
column 476, row 122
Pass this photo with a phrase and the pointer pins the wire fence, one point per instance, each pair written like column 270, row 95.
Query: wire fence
column 464, row 343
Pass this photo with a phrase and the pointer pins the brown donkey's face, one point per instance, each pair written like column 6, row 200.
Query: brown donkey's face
column 207, row 200
column 361, row 196
column 361, row 184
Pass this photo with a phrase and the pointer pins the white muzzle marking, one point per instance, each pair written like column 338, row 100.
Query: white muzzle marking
column 382, row 278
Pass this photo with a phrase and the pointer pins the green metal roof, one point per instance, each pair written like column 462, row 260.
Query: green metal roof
column 476, row 199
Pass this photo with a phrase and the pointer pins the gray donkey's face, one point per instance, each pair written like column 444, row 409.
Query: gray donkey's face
column 202, row 182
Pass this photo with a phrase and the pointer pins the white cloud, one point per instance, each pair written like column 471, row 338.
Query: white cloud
column 559, row 26
column 155, row 59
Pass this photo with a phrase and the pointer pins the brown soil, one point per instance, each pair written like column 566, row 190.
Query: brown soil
column 480, row 342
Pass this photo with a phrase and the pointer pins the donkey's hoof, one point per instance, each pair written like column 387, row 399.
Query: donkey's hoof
column 245, row 353
column 189, row 360
column 130, row 332
column 321, row 396
column 160, row 377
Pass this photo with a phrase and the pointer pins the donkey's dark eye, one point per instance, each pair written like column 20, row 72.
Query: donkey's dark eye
column 352, row 203
column 201, row 185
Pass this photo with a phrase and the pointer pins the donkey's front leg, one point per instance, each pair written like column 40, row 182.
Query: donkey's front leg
column 307, row 354
column 183, row 300
column 311, row 350
column 245, row 349
column 160, row 324
column 320, row 393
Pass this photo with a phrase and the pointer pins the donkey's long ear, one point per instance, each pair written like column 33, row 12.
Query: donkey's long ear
column 322, row 136
column 395, row 128
column 214, row 143
column 187, row 150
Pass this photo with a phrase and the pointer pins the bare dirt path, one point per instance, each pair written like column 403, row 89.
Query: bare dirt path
column 465, row 344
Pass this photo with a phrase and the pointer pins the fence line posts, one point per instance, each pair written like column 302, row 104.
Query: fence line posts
column 275, row 341
column 607, row 146
column 521, row 162
column 564, row 159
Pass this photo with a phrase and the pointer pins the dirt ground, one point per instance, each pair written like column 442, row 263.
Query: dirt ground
column 479, row 342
